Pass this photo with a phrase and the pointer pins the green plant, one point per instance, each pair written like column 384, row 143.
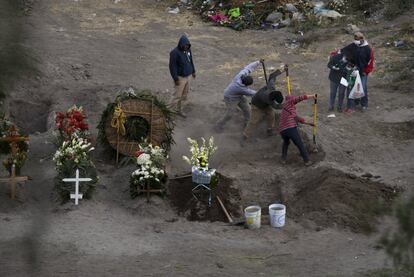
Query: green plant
column 400, row 244
column 137, row 128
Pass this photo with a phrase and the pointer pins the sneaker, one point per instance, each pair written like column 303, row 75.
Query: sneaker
column 339, row 110
column 349, row 111
column 308, row 163
column 364, row 108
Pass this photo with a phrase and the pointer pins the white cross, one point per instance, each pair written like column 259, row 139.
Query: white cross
column 77, row 195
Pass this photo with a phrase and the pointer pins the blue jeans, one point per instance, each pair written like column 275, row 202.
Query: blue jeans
column 349, row 102
column 341, row 92
column 293, row 134
column 363, row 100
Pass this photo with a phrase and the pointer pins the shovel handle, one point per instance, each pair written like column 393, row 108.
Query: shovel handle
column 224, row 210
column 287, row 78
column 315, row 110
column 264, row 71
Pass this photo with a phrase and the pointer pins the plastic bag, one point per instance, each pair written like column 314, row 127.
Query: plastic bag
column 357, row 90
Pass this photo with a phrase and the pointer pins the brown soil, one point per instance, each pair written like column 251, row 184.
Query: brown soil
column 332, row 198
column 182, row 198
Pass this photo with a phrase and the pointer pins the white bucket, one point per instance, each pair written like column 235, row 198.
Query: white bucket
column 253, row 216
column 277, row 213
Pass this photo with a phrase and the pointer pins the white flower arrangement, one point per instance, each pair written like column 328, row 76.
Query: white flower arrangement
column 75, row 150
column 150, row 161
column 200, row 155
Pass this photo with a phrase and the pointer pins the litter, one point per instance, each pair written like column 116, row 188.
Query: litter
column 174, row 11
column 332, row 115
column 234, row 13
column 219, row 18
column 398, row 43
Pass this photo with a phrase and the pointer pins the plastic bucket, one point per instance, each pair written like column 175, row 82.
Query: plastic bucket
column 277, row 214
column 253, row 216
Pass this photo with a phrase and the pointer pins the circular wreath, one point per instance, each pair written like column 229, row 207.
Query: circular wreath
column 146, row 119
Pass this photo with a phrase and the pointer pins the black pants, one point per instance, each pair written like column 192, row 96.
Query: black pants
column 293, row 134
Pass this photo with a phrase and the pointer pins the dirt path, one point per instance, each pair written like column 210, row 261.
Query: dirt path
column 89, row 48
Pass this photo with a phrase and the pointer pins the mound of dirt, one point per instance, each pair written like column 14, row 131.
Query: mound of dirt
column 397, row 130
column 332, row 198
column 183, row 200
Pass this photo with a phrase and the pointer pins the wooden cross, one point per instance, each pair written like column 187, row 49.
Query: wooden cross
column 76, row 195
column 13, row 138
column 13, row 181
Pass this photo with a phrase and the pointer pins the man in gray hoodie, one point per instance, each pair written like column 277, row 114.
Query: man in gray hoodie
column 235, row 95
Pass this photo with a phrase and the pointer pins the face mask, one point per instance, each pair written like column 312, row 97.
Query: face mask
column 357, row 42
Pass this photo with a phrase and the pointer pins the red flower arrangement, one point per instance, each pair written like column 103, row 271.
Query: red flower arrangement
column 73, row 121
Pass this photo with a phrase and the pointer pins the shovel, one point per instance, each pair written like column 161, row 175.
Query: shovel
column 315, row 109
column 264, row 71
column 287, row 78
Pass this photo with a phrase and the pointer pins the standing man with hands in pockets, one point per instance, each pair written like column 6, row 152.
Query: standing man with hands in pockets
column 181, row 70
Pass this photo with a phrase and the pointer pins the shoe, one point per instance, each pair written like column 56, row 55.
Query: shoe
column 349, row 111
column 308, row 163
column 330, row 109
column 283, row 161
column 339, row 110
column 364, row 108
column 270, row 132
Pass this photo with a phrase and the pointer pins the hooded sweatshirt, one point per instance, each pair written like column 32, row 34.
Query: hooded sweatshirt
column 237, row 89
column 361, row 54
column 181, row 62
column 288, row 117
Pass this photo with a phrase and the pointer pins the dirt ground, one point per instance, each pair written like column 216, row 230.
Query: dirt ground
column 87, row 49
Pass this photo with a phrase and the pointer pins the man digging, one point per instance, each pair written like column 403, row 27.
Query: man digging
column 263, row 103
column 235, row 95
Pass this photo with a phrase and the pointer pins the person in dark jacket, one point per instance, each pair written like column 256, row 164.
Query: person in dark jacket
column 337, row 65
column 181, row 70
column 263, row 103
column 361, row 53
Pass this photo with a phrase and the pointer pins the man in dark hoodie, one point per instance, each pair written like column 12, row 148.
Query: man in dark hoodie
column 263, row 103
column 181, row 69
column 361, row 53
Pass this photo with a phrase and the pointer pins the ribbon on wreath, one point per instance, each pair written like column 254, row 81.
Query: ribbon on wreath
column 118, row 120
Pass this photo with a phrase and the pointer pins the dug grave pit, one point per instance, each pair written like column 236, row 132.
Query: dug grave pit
column 186, row 205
